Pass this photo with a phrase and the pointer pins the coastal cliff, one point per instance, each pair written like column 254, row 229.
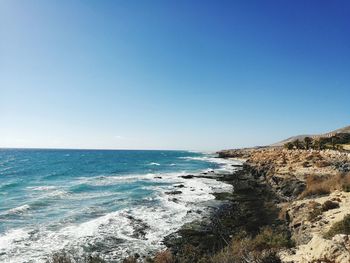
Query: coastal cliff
column 313, row 199
column 289, row 206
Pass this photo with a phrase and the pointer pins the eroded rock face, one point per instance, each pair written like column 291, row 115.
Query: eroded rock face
column 319, row 249
column 286, row 172
column 309, row 220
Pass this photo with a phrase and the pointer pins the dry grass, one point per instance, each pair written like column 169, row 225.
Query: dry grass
column 322, row 164
column 263, row 247
column 323, row 185
column 64, row 257
column 164, row 257
column 130, row 259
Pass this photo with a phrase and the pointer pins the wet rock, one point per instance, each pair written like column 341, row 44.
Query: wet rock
column 173, row 192
column 189, row 176
column 242, row 210
column 140, row 227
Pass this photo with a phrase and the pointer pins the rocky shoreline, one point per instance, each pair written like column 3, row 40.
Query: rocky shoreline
column 251, row 206
column 273, row 190
column 290, row 206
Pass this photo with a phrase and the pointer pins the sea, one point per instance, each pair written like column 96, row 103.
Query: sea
column 107, row 203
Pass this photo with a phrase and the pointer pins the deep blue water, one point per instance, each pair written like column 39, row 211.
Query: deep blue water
column 78, row 200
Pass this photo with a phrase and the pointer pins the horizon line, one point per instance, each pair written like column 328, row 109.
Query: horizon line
column 92, row 149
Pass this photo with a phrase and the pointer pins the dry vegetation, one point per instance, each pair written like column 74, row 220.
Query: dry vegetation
column 263, row 247
column 63, row 257
column 323, row 185
column 341, row 227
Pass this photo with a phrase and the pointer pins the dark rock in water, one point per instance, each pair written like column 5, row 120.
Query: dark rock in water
column 102, row 246
column 194, row 211
column 246, row 209
column 173, row 193
column 140, row 227
column 189, row 176
column 175, row 200
column 180, row 186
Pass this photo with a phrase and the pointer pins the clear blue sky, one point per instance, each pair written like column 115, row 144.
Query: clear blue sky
column 200, row 75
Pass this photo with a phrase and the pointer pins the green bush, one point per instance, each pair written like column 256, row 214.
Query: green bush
column 271, row 239
column 328, row 205
column 346, row 188
column 263, row 247
column 341, row 227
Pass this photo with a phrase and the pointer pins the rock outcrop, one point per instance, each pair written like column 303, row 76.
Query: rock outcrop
column 309, row 218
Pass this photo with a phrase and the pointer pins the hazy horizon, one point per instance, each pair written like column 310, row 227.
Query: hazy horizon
column 184, row 75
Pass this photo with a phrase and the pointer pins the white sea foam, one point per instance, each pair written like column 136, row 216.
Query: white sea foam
column 110, row 180
column 9, row 239
column 18, row 210
column 172, row 211
column 58, row 194
column 156, row 164
column 42, row 188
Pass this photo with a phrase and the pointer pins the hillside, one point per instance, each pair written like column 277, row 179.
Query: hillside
column 344, row 130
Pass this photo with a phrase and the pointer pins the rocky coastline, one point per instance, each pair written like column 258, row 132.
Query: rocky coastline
column 251, row 206
column 290, row 206
column 272, row 190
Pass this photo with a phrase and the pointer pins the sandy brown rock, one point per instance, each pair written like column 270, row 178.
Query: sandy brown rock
column 288, row 172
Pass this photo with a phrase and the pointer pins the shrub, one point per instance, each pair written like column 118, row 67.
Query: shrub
column 130, row 259
column 307, row 142
column 346, row 187
column 283, row 213
column 64, row 257
column 328, row 205
column 315, row 185
column 271, row 239
column 61, row 257
column 164, row 257
column 315, row 210
column 306, row 164
column 189, row 254
column 341, row 227
column 289, row 145
column 261, row 248
column 323, row 185
column 322, row 164
column 246, row 256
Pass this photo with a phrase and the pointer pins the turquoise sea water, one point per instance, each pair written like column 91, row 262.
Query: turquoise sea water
column 110, row 202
